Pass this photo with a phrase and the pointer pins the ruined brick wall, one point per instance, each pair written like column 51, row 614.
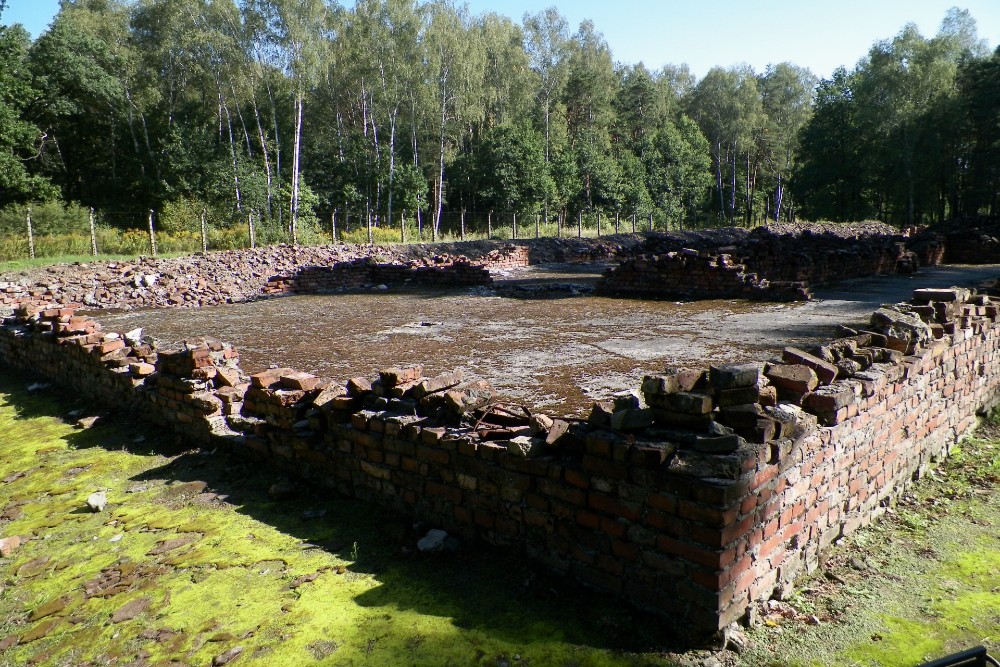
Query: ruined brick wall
column 824, row 258
column 365, row 272
column 690, row 274
column 763, row 264
column 724, row 485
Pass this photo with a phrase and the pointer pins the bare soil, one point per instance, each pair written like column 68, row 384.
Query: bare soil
column 538, row 335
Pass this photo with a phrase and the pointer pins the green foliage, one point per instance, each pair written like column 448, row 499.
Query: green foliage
column 47, row 218
column 19, row 137
column 510, row 172
column 389, row 105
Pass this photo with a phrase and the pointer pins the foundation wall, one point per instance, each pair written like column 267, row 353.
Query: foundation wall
column 690, row 274
column 725, row 486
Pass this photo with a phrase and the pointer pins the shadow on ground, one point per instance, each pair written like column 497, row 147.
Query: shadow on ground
column 485, row 592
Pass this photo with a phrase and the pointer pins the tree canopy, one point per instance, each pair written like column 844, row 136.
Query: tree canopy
column 292, row 108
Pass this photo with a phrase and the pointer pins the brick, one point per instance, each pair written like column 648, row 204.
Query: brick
column 826, row 372
column 270, row 378
column 793, row 377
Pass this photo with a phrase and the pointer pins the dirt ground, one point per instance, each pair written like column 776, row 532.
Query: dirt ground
column 538, row 336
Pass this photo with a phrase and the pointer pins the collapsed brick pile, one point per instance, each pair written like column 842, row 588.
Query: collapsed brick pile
column 208, row 279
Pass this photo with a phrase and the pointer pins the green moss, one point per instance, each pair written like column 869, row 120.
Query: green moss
column 258, row 575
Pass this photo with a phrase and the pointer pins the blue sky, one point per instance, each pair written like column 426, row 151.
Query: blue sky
column 814, row 34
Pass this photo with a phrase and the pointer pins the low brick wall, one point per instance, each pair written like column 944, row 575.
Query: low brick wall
column 365, row 272
column 690, row 274
column 722, row 486
column 763, row 264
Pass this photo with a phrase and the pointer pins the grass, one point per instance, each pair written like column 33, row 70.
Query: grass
column 922, row 583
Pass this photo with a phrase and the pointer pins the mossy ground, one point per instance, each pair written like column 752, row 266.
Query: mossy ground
column 191, row 560
column 196, row 560
column 922, row 583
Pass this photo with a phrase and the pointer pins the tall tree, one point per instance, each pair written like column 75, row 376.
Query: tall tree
column 20, row 139
column 787, row 96
column 547, row 44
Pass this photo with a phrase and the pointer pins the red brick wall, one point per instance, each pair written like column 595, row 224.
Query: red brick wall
column 661, row 504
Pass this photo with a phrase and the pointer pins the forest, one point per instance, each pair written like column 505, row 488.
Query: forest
column 295, row 115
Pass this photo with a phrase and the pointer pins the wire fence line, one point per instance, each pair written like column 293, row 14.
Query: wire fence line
column 89, row 232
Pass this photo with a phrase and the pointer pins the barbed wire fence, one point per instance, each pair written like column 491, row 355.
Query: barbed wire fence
column 137, row 232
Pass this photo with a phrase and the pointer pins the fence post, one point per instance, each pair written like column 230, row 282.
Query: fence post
column 513, row 226
column 462, row 223
column 579, row 224
column 253, row 237
column 650, row 222
column 559, row 225
column 368, row 221
column 204, row 230
column 93, row 234
column 489, row 225
column 633, row 223
column 402, row 226
column 152, row 233
column 333, row 225
column 598, row 223
column 31, row 236
column 617, row 221
column 537, row 216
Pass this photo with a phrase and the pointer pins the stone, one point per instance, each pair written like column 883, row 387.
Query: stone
column 359, row 386
column 625, row 400
column 227, row 656
column 141, row 369
column 163, row 546
column 324, row 399
column 722, row 444
column 524, row 446
column 671, row 418
column 270, row 378
column 97, row 501
column 87, row 422
column 437, row 384
column 600, row 414
column 9, row 545
column 944, row 295
column 228, row 377
column 283, row 489
column 130, row 610
column 740, row 396
column 692, row 463
column 734, row 376
column 832, row 398
column 686, row 379
column 298, row 380
column 433, row 541
column 391, row 377
column 793, row 377
column 632, row 419
column 558, row 430
column 660, row 384
column 33, row 568
column 539, row 424
column 134, row 337
column 689, row 403
column 825, row 371
column 742, row 416
column 906, row 326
